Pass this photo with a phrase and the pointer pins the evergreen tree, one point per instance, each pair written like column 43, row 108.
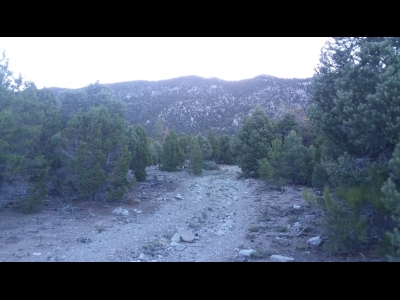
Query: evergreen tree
column 93, row 149
column 141, row 158
column 196, row 160
column 172, row 156
column 288, row 123
column 186, row 143
column 216, row 150
column 155, row 150
column 159, row 130
column 205, row 146
column 354, row 108
column 256, row 135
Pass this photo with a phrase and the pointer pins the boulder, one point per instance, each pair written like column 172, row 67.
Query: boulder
column 315, row 241
column 185, row 234
column 247, row 252
column 120, row 212
column 281, row 258
column 176, row 238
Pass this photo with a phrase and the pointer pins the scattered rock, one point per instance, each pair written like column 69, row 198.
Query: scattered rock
column 142, row 256
column 280, row 258
column 186, row 235
column 246, row 252
column 180, row 247
column 83, row 240
column 296, row 206
column 179, row 197
column 315, row 241
column 176, row 238
column 120, row 212
column 36, row 253
column 173, row 244
column 297, row 224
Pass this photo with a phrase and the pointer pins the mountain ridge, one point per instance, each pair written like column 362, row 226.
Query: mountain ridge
column 193, row 104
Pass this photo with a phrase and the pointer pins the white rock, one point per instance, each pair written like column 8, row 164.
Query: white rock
column 297, row 224
column 296, row 206
column 37, row 253
column 179, row 197
column 280, row 258
column 142, row 256
column 180, row 247
column 176, row 238
column 186, row 235
column 247, row 252
column 315, row 241
column 120, row 212
column 173, row 244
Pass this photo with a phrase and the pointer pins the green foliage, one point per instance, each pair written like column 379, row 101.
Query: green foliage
column 186, row 143
column 159, row 130
column 172, row 156
column 93, row 149
column 215, row 144
column 196, row 160
column 255, row 136
column 288, row 162
column 391, row 201
column 141, row 156
column 155, row 150
column 205, row 146
column 228, row 151
column 287, row 124
column 84, row 99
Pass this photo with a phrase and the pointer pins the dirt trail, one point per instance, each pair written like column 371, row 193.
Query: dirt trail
column 226, row 215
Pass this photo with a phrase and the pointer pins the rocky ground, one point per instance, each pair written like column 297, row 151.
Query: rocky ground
column 173, row 217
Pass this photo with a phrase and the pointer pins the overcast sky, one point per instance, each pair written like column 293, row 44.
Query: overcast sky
column 77, row 62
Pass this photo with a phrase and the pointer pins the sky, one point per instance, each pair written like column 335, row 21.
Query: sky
column 77, row 62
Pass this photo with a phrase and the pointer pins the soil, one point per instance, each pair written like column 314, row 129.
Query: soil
column 226, row 214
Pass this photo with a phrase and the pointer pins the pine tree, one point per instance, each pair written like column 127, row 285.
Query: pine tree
column 205, row 146
column 196, row 160
column 216, row 150
column 172, row 156
column 141, row 158
column 256, row 135
column 159, row 130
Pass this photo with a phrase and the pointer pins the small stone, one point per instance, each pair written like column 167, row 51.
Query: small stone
column 296, row 206
column 120, row 212
column 280, row 258
column 180, row 247
column 174, row 244
column 246, row 252
column 36, row 253
column 185, row 234
column 176, row 238
column 297, row 224
column 315, row 241
column 179, row 197
column 142, row 256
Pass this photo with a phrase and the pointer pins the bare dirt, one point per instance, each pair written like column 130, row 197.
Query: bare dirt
column 225, row 213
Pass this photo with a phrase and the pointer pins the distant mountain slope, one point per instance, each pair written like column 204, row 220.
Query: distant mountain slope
column 193, row 104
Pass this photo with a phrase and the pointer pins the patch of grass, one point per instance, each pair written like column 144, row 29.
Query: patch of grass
column 260, row 253
column 282, row 229
column 264, row 217
column 254, row 229
column 301, row 247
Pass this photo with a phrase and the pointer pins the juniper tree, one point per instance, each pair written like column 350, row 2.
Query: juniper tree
column 141, row 157
column 196, row 160
column 256, row 135
column 172, row 156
